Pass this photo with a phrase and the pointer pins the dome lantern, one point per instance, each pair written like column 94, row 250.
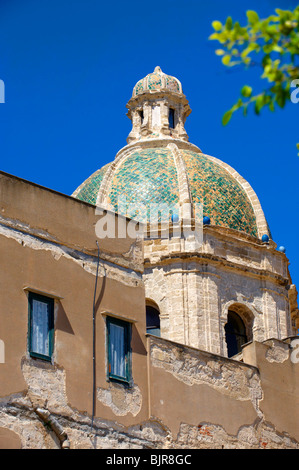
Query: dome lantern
column 158, row 108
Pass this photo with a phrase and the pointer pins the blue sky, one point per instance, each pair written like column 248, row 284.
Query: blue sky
column 69, row 67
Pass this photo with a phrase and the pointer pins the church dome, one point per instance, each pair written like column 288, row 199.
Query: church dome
column 156, row 81
column 150, row 176
column 160, row 167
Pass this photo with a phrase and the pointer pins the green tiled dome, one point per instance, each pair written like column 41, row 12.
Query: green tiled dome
column 89, row 189
column 150, row 176
column 156, row 81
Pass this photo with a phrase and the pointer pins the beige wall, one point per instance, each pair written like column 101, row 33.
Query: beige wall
column 210, row 401
column 47, row 244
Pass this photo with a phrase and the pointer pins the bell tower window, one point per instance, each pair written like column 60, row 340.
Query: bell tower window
column 171, row 118
column 235, row 333
column 152, row 320
column 141, row 116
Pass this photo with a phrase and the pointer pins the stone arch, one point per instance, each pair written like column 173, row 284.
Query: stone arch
column 152, row 317
column 246, row 316
column 154, row 284
column 149, row 301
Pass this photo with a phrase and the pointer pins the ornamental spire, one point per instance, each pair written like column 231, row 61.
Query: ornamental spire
column 158, row 108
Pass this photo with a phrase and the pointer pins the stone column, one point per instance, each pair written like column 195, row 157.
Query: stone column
column 176, row 307
column 271, row 327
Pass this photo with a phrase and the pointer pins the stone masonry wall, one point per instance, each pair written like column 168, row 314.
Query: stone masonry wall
column 195, row 287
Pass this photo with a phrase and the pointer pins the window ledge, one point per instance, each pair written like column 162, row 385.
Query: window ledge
column 41, row 292
column 117, row 316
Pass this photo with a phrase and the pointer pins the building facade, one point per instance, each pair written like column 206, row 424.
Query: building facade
column 150, row 309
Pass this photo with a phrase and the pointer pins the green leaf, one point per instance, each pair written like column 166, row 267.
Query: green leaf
column 246, row 51
column 217, row 25
column 283, row 13
column 252, row 16
column 226, row 59
column 259, row 103
column 219, row 52
column 229, row 23
column 266, row 60
column 246, row 91
column 214, row 36
column 280, row 99
column 271, row 105
column 277, row 48
column 227, row 117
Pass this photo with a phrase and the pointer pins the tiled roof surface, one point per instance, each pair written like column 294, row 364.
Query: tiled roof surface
column 149, row 176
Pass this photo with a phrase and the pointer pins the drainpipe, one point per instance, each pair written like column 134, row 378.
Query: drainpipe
column 93, row 341
column 49, row 420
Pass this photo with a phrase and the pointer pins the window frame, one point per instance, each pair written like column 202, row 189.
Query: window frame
column 171, row 118
column 50, row 330
column 127, row 349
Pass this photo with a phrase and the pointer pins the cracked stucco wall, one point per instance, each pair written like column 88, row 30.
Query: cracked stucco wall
column 224, row 402
column 120, row 399
column 88, row 262
column 191, row 372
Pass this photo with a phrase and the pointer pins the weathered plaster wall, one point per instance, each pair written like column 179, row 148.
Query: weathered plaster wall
column 223, row 402
column 47, row 245
column 45, row 219
column 196, row 400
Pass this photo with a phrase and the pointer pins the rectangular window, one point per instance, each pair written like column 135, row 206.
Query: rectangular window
column 41, row 326
column 119, row 355
column 171, row 118
column 141, row 116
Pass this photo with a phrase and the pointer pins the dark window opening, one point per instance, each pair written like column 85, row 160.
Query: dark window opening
column 152, row 320
column 141, row 116
column 41, row 326
column 171, row 118
column 235, row 333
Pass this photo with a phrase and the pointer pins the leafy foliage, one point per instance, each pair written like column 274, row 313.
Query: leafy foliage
column 271, row 43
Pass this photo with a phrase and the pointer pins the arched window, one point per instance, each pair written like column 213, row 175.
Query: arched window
column 152, row 320
column 235, row 333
